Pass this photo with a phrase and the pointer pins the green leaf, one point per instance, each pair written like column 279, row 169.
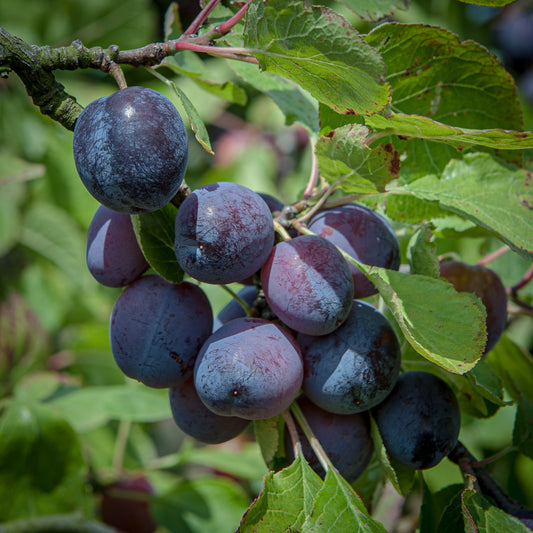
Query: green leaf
column 155, row 234
column 461, row 138
column 345, row 159
column 445, row 326
column 16, row 170
column 51, row 232
column 514, row 366
column 523, row 428
column 196, row 122
column 295, row 102
column 42, row 467
column 338, row 508
column 488, row 192
column 171, row 22
column 200, row 505
column 89, row 407
column 321, row 51
column 269, row 435
column 489, row 3
column 374, row 10
column 285, row 501
column 446, row 85
column 421, row 253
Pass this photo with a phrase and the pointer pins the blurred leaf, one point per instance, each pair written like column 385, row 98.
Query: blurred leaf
column 42, row 466
column 172, row 22
column 155, row 234
column 445, row 326
column 345, row 159
column 14, row 170
column 38, row 386
column 321, row 51
column 523, row 428
column 295, row 102
column 200, row 505
column 23, row 341
column 421, row 253
column 374, row 10
column 489, row 193
column 52, row 233
column 489, row 3
column 338, row 508
column 89, row 407
column 434, row 504
column 443, row 80
column 285, row 501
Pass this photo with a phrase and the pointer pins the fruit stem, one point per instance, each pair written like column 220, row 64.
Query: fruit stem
column 470, row 469
column 295, row 439
column 239, row 300
column 201, row 18
column 494, row 255
column 308, row 432
column 281, row 231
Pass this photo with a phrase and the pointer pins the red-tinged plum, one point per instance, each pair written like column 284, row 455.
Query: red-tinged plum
column 488, row 287
column 250, row 368
column 419, row 421
column 113, row 254
column 157, row 329
column 197, row 421
column 233, row 309
column 355, row 367
column 364, row 235
column 346, row 440
column 131, row 149
column 224, row 233
column 308, row 285
column 128, row 514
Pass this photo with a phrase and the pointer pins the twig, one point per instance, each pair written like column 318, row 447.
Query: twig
column 494, row 255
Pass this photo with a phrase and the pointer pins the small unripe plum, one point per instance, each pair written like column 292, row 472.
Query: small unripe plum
column 131, row 149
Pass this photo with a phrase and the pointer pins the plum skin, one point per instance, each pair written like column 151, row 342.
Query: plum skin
column 113, row 255
column 346, row 440
column 197, row 421
column 250, row 368
column 308, row 285
column 364, row 235
column 157, row 328
column 224, row 233
column 419, row 421
column 131, row 150
column 356, row 366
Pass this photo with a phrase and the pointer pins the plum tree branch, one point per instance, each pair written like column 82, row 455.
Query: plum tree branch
column 34, row 65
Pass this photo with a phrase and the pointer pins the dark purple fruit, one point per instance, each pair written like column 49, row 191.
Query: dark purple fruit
column 364, row 235
column 130, row 150
column 419, row 421
column 113, row 254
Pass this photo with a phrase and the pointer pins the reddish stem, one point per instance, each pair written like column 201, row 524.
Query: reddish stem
column 494, row 255
column 201, row 18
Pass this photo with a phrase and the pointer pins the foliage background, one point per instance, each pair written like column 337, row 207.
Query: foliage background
column 54, row 316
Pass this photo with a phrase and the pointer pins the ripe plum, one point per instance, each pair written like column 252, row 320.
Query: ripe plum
column 131, row 149
column 345, row 438
column 364, row 235
column 196, row 420
column 224, row 233
column 308, row 285
column 250, row 368
column 355, row 367
column 419, row 421
column 113, row 254
column 157, row 329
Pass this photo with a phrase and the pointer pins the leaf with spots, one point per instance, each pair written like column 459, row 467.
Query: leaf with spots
column 321, row 51
column 345, row 159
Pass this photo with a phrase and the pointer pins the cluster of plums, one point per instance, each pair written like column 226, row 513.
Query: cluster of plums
column 321, row 345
